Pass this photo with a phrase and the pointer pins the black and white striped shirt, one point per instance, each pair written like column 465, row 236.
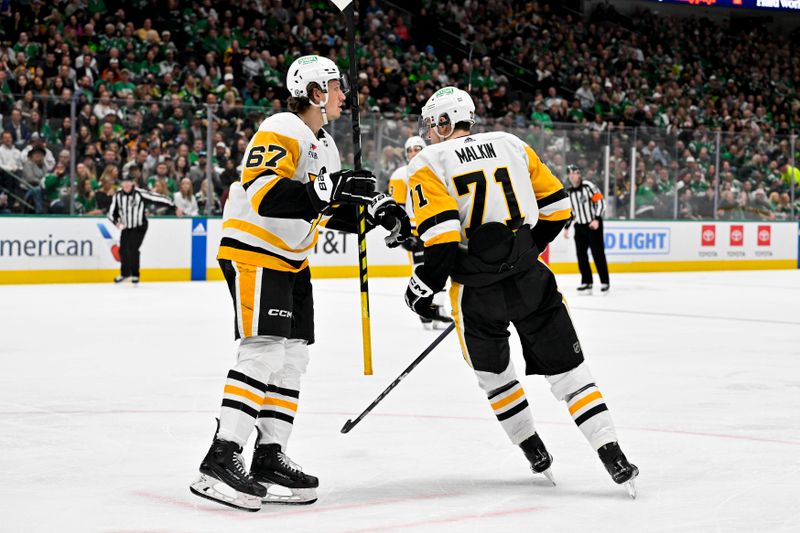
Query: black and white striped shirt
column 587, row 203
column 129, row 208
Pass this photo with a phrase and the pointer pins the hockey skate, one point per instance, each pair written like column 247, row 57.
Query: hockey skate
column 224, row 479
column 585, row 289
column 538, row 456
column 604, row 288
column 273, row 469
column 120, row 279
column 440, row 320
column 622, row 472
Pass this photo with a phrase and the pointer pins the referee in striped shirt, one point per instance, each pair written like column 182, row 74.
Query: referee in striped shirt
column 588, row 208
column 127, row 213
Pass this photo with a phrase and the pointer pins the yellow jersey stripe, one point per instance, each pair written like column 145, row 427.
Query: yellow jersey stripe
column 258, row 196
column 564, row 214
column 264, row 235
column 254, row 258
column 448, row 236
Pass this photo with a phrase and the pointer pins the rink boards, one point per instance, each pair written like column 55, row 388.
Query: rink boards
column 85, row 249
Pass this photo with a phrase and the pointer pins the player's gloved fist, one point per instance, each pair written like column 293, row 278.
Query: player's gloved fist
column 412, row 244
column 385, row 211
column 345, row 186
column 419, row 297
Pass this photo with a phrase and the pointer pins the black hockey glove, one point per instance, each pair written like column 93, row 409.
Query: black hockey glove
column 344, row 186
column 385, row 211
column 412, row 244
column 419, row 297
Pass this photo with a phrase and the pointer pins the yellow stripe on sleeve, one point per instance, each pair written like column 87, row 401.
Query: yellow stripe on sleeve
column 543, row 181
column 429, row 196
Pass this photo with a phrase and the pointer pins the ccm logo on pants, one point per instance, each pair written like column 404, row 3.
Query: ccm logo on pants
column 280, row 312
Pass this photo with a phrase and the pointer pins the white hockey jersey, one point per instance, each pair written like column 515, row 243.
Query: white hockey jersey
column 284, row 147
column 459, row 184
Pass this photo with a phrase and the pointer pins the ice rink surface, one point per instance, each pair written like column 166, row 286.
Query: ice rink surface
column 108, row 396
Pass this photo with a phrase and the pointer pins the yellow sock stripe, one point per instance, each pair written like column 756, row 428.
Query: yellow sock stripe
column 244, row 393
column 589, row 398
column 508, row 399
column 281, row 403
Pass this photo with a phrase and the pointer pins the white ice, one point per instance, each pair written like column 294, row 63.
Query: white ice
column 108, row 396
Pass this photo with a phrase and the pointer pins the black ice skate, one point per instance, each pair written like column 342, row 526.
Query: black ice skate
column 135, row 280
column 622, row 472
column 439, row 321
column 224, row 479
column 604, row 288
column 120, row 279
column 271, row 467
column 585, row 288
column 538, row 456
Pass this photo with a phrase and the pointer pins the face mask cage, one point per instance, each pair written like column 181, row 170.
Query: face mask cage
column 443, row 129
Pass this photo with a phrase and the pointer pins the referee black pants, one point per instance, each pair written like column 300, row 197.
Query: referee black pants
column 586, row 239
column 129, row 243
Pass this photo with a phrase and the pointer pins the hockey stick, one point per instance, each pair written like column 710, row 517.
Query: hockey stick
column 348, row 8
column 350, row 424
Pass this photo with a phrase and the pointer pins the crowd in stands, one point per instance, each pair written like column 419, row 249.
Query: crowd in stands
column 146, row 72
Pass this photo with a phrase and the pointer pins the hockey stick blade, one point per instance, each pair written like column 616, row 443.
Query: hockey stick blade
column 350, row 424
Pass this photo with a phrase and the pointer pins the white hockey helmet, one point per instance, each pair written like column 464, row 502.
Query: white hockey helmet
column 448, row 106
column 414, row 142
column 313, row 69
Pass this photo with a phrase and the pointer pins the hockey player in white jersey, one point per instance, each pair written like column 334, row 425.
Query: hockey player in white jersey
column 485, row 207
column 291, row 183
column 399, row 191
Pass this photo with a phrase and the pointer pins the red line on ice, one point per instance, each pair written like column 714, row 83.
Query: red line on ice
column 86, row 412
column 449, row 520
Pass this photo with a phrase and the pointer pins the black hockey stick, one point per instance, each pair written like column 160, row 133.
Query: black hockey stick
column 348, row 7
column 350, row 424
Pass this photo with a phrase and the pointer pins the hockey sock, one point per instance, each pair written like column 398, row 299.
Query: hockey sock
column 508, row 402
column 276, row 419
column 246, row 386
column 511, row 409
column 586, row 405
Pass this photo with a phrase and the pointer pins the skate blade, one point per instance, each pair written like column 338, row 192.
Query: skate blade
column 217, row 491
column 631, row 487
column 280, row 495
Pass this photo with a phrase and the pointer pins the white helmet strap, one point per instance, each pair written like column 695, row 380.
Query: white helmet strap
column 321, row 107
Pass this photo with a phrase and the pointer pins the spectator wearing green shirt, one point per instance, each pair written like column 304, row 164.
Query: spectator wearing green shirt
column 162, row 174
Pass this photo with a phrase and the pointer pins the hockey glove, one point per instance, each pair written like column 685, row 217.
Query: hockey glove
column 385, row 211
column 344, row 186
column 419, row 297
column 412, row 244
